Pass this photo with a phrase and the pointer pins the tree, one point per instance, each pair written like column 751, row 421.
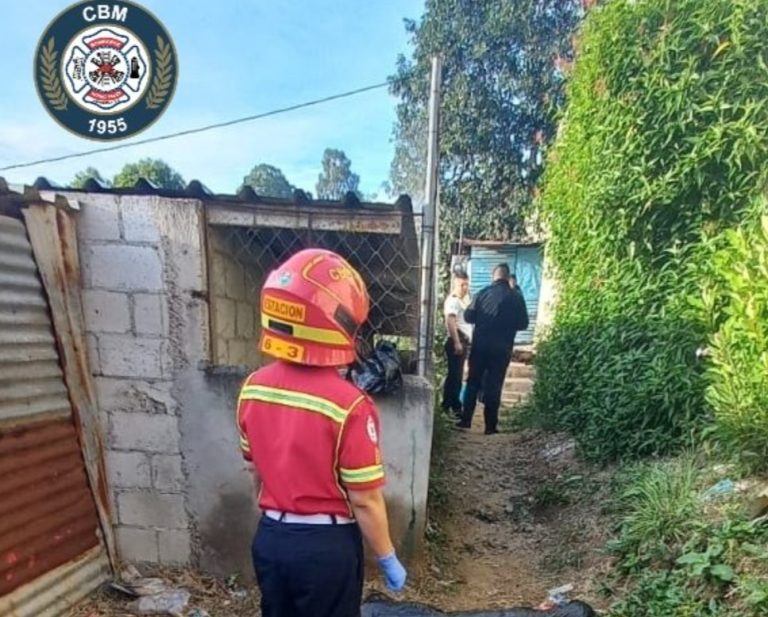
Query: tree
column 504, row 65
column 337, row 178
column 156, row 171
column 269, row 181
column 409, row 166
column 81, row 177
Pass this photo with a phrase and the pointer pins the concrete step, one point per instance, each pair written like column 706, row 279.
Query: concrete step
column 516, row 390
column 518, row 369
column 523, row 354
column 518, row 384
column 513, row 400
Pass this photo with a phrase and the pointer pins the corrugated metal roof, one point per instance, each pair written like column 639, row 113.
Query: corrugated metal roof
column 195, row 189
column 31, row 380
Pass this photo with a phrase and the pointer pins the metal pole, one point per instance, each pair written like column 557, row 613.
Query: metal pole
column 429, row 253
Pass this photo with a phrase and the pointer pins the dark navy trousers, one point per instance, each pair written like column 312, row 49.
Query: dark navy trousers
column 308, row 570
column 487, row 371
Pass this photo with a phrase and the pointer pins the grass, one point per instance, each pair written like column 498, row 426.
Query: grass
column 657, row 504
column 521, row 417
column 439, row 487
column 680, row 552
column 553, row 493
column 439, row 490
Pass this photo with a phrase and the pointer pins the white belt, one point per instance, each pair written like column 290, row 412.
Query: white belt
column 308, row 519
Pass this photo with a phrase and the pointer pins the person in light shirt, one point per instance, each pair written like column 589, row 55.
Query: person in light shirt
column 459, row 336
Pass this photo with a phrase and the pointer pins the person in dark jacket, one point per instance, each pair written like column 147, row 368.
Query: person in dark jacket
column 497, row 313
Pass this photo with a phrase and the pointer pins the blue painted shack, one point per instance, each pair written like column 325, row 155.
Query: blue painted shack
column 525, row 261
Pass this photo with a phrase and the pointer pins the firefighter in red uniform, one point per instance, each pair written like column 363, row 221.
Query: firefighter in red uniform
column 313, row 438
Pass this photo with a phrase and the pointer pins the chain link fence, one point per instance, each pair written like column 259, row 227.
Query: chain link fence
column 240, row 258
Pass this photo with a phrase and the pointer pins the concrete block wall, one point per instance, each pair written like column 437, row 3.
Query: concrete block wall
column 143, row 276
column 179, row 489
column 235, row 285
column 221, row 496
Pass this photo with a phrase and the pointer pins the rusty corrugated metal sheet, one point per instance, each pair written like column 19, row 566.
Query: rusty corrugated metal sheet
column 53, row 594
column 30, row 376
column 47, row 513
column 50, row 549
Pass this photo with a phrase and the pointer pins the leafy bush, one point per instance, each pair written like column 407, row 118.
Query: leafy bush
column 721, row 571
column 664, row 593
column 738, row 372
column 662, row 146
column 626, row 387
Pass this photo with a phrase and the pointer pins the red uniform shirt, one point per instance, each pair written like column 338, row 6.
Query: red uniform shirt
column 311, row 435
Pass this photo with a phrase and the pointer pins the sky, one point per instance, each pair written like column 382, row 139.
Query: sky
column 236, row 58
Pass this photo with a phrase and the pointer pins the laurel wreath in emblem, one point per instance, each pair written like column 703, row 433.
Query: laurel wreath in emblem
column 163, row 79
column 49, row 76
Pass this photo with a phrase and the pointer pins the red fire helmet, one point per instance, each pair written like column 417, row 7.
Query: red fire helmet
column 312, row 306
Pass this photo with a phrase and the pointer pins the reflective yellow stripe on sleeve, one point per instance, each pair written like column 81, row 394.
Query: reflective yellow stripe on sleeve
column 245, row 446
column 298, row 400
column 362, row 474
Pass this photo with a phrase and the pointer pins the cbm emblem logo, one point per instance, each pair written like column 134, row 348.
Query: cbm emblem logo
column 105, row 71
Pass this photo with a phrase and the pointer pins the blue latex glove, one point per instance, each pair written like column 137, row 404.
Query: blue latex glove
column 394, row 572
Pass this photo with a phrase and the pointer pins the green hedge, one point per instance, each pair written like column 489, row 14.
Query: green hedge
column 662, row 148
column 626, row 385
column 737, row 297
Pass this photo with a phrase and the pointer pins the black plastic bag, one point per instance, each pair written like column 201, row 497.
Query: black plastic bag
column 380, row 372
column 380, row 606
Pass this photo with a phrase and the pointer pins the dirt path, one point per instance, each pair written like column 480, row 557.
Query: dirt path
column 519, row 515
column 523, row 515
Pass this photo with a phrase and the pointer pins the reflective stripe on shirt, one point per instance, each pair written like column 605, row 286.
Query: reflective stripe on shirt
column 299, row 400
column 361, row 475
